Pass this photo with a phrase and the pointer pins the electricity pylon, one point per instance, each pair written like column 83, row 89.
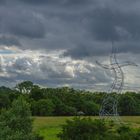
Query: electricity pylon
column 109, row 105
column 1, row 63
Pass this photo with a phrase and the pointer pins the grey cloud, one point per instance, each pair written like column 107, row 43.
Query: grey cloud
column 129, row 47
column 24, row 26
column 22, row 64
column 108, row 24
column 102, row 23
column 62, row 2
column 88, row 50
column 20, row 23
column 81, row 28
column 9, row 41
column 75, row 2
column 41, row 1
column 101, row 49
column 2, row 1
column 51, row 72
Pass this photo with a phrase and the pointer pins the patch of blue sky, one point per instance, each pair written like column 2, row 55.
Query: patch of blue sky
column 7, row 52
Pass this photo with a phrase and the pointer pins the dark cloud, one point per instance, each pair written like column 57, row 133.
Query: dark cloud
column 24, row 26
column 99, row 20
column 79, row 28
column 62, row 2
column 129, row 47
column 103, row 23
column 9, row 41
column 108, row 24
column 88, row 50
column 41, row 1
column 101, row 49
column 20, row 23
column 2, row 1
column 75, row 2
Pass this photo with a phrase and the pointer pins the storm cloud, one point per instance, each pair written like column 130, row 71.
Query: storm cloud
column 9, row 41
column 62, row 39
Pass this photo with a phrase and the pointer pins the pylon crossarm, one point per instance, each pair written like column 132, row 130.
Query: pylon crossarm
column 103, row 65
column 128, row 64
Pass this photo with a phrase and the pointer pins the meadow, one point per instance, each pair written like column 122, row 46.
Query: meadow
column 49, row 127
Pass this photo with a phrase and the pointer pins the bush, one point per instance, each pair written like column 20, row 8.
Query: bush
column 127, row 133
column 83, row 129
column 16, row 123
column 87, row 129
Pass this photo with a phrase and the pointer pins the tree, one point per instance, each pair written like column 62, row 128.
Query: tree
column 37, row 93
column 4, row 101
column 62, row 109
column 43, row 107
column 16, row 123
column 127, row 105
column 90, row 108
column 24, row 87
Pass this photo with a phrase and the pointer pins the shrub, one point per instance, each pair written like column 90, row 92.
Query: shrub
column 87, row 129
column 16, row 122
column 83, row 129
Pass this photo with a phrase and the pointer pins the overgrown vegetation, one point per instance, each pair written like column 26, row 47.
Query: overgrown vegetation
column 88, row 129
column 16, row 122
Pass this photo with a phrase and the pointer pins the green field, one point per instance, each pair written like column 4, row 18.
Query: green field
column 49, row 127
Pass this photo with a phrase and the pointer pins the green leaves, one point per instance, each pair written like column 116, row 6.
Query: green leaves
column 16, row 123
column 88, row 129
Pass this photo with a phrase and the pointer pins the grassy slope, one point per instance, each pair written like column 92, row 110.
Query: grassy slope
column 49, row 127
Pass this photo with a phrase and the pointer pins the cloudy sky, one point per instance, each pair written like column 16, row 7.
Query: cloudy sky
column 56, row 43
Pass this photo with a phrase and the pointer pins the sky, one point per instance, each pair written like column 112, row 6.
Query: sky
column 56, row 43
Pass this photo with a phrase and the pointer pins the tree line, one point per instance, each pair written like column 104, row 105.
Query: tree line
column 65, row 101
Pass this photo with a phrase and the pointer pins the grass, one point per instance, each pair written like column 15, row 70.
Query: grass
column 49, row 127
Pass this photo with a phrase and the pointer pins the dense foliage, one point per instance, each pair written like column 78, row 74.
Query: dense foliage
column 65, row 101
column 16, row 122
column 87, row 129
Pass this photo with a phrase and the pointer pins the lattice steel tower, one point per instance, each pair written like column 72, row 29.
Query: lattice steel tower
column 109, row 105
